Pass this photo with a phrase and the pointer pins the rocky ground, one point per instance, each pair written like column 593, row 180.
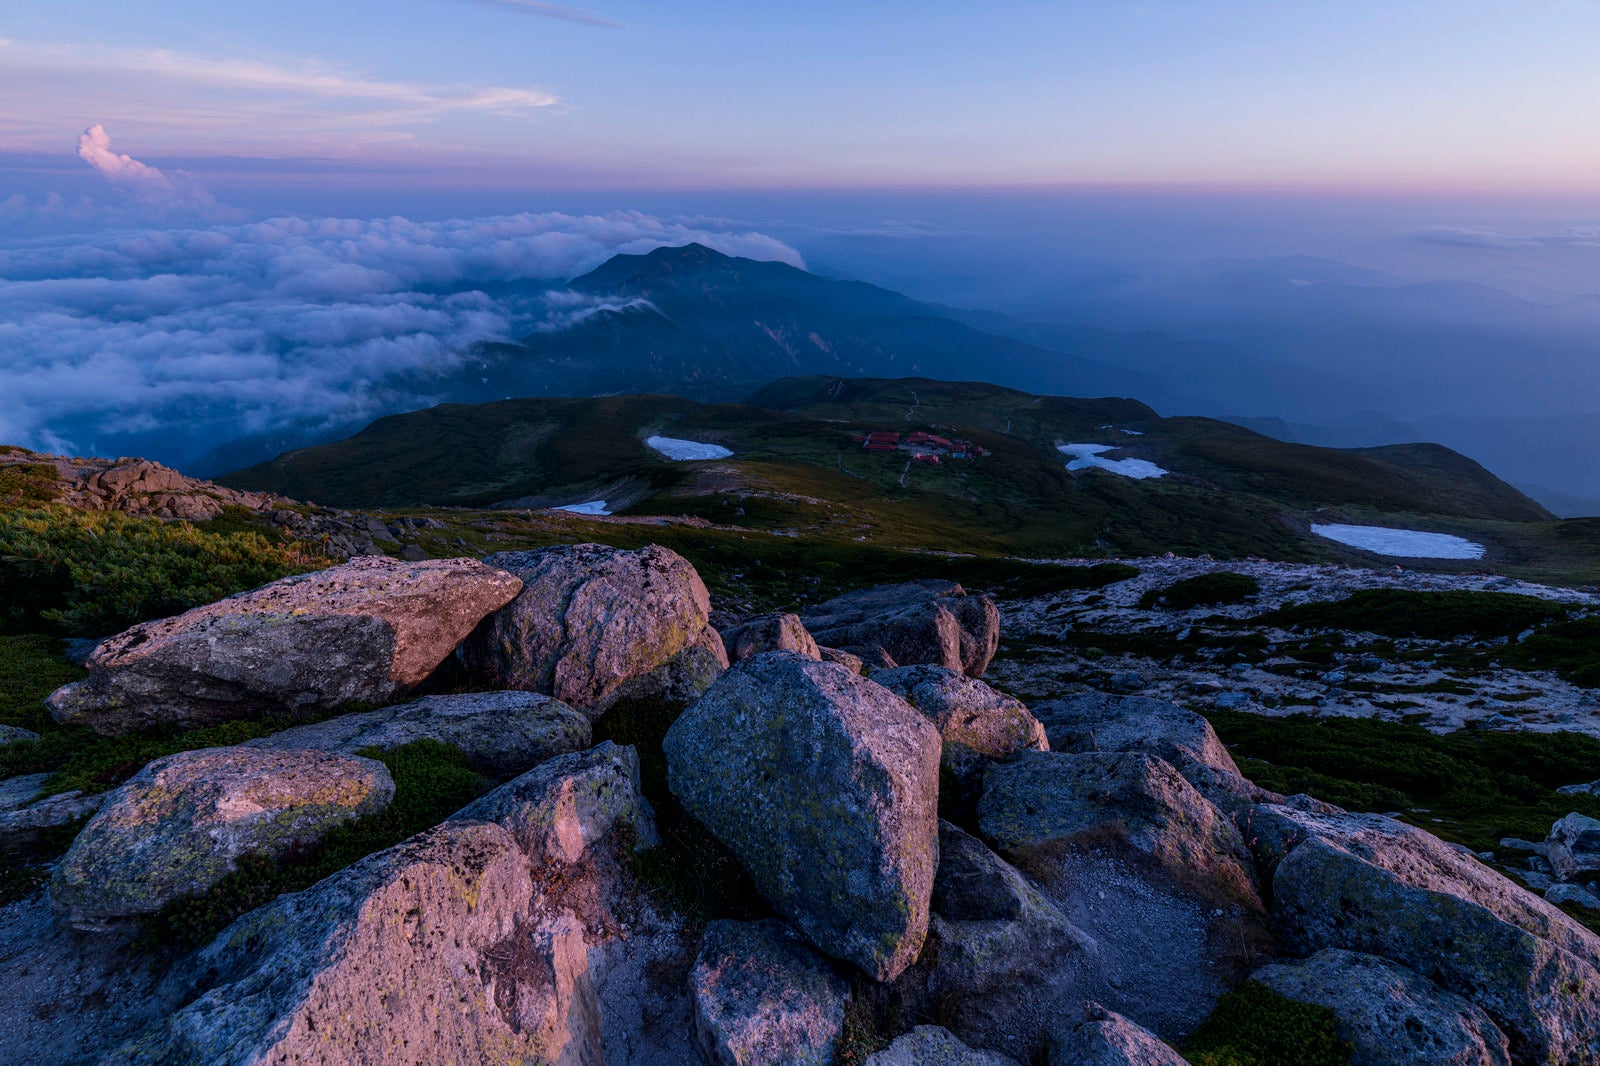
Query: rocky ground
column 848, row 841
column 1443, row 685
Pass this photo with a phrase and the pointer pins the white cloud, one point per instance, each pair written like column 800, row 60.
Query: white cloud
column 557, row 11
column 252, row 328
column 1485, row 238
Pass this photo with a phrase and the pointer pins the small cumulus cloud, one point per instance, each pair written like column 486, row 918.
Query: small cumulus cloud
column 144, row 182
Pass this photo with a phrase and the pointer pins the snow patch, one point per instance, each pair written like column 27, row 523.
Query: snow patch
column 1404, row 543
column 685, row 450
column 1089, row 455
column 592, row 507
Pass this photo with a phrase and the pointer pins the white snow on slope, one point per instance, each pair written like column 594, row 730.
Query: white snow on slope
column 683, row 450
column 592, row 507
column 1089, row 455
column 1403, row 543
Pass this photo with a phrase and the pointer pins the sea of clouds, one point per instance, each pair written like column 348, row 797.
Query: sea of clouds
column 163, row 317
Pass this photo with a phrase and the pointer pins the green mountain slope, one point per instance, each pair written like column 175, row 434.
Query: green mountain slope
column 799, row 466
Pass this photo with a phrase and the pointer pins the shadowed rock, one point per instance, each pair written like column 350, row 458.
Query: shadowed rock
column 1367, row 883
column 966, row 711
column 369, row 630
column 501, row 733
column 916, row 622
column 1389, row 1015
column 825, row 786
column 181, row 824
column 1573, row 847
column 930, row 1045
column 1100, row 721
column 590, row 620
column 762, row 996
column 769, row 632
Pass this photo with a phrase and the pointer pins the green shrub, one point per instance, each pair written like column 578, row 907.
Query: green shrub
column 31, row 667
column 91, row 573
column 1570, row 648
column 1223, row 586
column 1435, row 615
column 1254, row 1026
column 431, row 782
column 27, row 484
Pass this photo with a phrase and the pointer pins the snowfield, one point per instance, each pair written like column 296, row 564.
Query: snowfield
column 1403, row 543
column 1089, row 455
column 685, row 450
column 592, row 507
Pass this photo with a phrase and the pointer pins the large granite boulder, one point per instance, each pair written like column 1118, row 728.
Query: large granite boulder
column 762, row 997
column 1366, row 883
column 1101, row 721
column 501, row 733
column 1106, row 1038
column 182, row 823
column 1046, row 800
column 915, row 622
column 455, row 946
column 1573, row 847
column 366, row 631
column 966, row 711
column 589, row 620
column 1389, row 1015
column 931, row 1045
column 825, row 786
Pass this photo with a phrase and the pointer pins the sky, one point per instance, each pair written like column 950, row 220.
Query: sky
column 1463, row 96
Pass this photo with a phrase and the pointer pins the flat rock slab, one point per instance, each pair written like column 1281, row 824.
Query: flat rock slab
column 914, row 622
column 368, row 630
column 589, row 620
column 1389, row 1015
column 825, row 786
column 501, row 733
column 181, row 824
column 762, row 996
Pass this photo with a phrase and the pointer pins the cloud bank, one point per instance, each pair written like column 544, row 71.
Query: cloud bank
column 283, row 325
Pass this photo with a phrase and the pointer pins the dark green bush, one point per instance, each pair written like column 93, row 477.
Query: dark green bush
column 27, row 484
column 1570, row 648
column 1435, row 615
column 92, row 573
column 1254, row 1026
column 1223, row 586
column 431, row 782
column 31, row 667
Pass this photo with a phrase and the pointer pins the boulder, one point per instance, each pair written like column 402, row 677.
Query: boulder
column 1106, row 1038
column 916, row 622
column 559, row 809
column 683, row 678
column 1044, row 800
column 973, row 884
column 845, row 659
column 1100, row 721
column 181, row 824
column 869, row 657
column 368, row 630
column 825, row 786
column 769, row 632
column 1572, row 895
column 762, row 996
column 966, row 711
column 931, row 1045
column 1389, row 1015
column 501, row 733
column 454, row 946
column 1573, row 847
column 589, row 620
column 1366, row 883
column 11, row 734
